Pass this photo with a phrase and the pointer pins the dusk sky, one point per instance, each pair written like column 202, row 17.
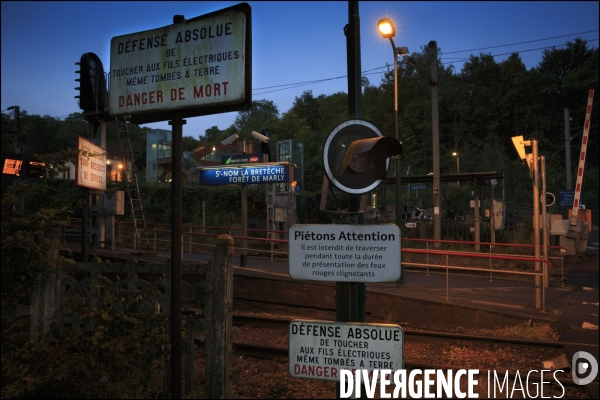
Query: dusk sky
column 292, row 42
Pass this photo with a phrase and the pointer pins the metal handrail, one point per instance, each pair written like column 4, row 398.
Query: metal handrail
column 483, row 243
column 562, row 249
column 477, row 255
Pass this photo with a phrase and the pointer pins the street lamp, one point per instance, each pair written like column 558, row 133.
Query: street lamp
column 455, row 154
column 388, row 31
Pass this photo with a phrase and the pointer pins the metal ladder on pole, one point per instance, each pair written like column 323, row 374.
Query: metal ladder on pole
column 133, row 190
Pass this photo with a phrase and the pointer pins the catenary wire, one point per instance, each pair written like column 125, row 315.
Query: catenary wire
column 297, row 84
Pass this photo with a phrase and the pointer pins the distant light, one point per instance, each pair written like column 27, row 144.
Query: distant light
column 120, row 166
column 386, row 27
column 454, row 153
column 214, row 148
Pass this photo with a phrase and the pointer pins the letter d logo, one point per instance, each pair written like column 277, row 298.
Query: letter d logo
column 581, row 364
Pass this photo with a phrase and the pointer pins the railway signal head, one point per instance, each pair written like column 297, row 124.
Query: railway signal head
column 92, row 84
column 356, row 156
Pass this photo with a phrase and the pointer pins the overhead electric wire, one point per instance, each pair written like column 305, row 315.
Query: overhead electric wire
column 298, row 84
column 513, row 44
column 295, row 85
column 513, row 52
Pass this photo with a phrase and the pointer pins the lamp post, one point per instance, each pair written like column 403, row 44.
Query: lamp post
column 388, row 31
column 533, row 160
column 455, row 154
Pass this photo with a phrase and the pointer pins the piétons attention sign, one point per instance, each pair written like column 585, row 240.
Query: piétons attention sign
column 198, row 67
column 345, row 253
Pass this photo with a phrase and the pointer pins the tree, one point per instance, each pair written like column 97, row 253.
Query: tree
column 189, row 143
column 38, row 134
column 73, row 126
column 306, row 106
column 560, row 63
column 211, row 136
column 261, row 114
column 214, row 135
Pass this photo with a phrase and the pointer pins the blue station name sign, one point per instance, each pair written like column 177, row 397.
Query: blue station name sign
column 245, row 175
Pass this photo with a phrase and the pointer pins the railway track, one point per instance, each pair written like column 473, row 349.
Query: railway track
column 278, row 323
column 279, row 326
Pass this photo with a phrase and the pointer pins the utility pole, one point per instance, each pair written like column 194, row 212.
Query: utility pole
column 536, row 222
column 435, row 122
column 17, row 147
column 568, row 147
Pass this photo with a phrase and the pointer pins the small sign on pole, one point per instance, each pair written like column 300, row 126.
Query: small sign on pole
column 91, row 166
column 321, row 349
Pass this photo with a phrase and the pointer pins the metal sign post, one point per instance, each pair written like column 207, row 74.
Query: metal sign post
column 176, row 248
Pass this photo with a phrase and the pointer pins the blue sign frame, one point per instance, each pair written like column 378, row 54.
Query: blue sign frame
column 247, row 175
